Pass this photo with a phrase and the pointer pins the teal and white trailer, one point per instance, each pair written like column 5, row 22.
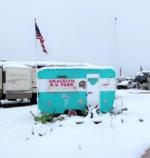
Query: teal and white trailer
column 61, row 89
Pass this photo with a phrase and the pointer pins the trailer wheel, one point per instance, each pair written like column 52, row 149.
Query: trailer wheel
column 72, row 113
column 33, row 100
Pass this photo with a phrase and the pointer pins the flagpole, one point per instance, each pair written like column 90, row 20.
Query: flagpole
column 36, row 65
column 116, row 45
column 38, row 36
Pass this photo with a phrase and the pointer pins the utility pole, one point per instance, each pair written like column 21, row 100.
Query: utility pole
column 116, row 40
column 116, row 47
column 141, row 68
column 120, row 71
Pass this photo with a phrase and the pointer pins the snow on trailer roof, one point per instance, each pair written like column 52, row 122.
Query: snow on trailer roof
column 140, row 73
column 78, row 67
column 15, row 65
column 43, row 63
column 51, row 64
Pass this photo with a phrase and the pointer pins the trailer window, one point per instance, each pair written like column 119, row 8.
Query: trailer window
column 4, row 77
column 61, row 76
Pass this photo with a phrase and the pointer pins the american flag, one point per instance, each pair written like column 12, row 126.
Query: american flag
column 40, row 38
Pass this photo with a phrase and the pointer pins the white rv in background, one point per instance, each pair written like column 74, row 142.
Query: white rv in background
column 15, row 81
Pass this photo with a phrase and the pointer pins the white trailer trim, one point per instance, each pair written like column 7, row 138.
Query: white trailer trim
column 105, row 84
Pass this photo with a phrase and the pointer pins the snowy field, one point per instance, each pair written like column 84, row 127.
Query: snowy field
column 123, row 136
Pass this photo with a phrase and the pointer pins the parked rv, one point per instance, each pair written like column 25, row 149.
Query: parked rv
column 72, row 89
column 143, row 80
column 15, row 81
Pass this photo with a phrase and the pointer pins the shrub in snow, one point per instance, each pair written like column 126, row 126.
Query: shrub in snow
column 44, row 118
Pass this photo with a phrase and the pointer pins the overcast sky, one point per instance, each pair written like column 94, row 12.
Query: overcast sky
column 78, row 31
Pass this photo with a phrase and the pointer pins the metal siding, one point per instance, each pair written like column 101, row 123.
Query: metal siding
column 18, row 79
column 56, row 103
column 107, row 100
column 75, row 73
column 18, row 83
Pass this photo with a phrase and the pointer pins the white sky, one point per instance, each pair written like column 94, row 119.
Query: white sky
column 78, row 31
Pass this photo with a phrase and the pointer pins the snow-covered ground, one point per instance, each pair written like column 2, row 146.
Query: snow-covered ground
column 123, row 136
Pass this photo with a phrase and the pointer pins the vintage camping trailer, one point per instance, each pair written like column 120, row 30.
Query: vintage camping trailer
column 61, row 89
column 15, row 81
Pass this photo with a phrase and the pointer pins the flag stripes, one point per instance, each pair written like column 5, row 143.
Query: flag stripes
column 40, row 38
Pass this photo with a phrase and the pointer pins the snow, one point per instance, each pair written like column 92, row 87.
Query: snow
column 124, row 83
column 43, row 63
column 77, row 67
column 141, row 72
column 52, row 65
column 15, row 65
column 120, row 136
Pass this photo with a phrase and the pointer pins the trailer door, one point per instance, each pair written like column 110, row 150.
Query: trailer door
column 93, row 90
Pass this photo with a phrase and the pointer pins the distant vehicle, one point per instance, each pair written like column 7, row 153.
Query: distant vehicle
column 126, row 84
column 143, row 80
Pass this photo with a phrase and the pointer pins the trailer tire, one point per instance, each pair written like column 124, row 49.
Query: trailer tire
column 34, row 99
column 72, row 113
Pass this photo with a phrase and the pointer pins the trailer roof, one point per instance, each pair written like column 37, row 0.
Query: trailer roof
column 78, row 67
column 15, row 65
column 44, row 63
column 52, row 65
